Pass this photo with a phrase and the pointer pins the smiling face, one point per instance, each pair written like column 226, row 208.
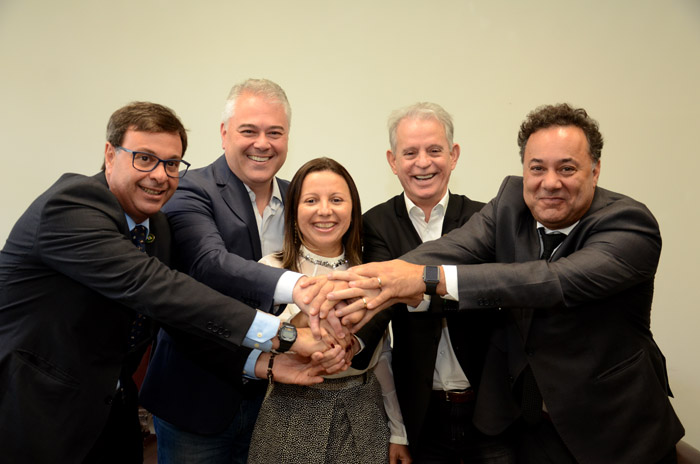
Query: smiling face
column 559, row 176
column 324, row 212
column 255, row 140
column 423, row 160
column 142, row 194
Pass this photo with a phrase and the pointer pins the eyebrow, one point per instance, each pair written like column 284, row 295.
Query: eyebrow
column 148, row 151
column 253, row 126
column 561, row 161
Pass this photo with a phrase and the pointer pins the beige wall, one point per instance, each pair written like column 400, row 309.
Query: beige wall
column 634, row 64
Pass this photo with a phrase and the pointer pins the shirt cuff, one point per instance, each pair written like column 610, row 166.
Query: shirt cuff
column 263, row 329
column 422, row 307
column 451, row 282
column 249, row 366
column 285, row 287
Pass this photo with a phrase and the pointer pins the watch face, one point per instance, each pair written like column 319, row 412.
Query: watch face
column 288, row 333
column 431, row 274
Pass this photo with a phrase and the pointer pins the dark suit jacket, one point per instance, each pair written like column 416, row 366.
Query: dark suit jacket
column 191, row 384
column 71, row 282
column 582, row 322
column 388, row 234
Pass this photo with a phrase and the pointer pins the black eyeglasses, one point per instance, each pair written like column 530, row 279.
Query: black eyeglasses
column 146, row 162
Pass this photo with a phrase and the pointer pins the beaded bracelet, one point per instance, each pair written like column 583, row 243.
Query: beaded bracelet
column 270, row 376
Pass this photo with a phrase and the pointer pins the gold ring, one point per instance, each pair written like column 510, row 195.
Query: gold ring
column 379, row 281
column 364, row 300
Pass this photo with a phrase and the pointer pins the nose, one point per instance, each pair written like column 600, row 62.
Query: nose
column 158, row 174
column 324, row 208
column 261, row 142
column 423, row 160
column 551, row 180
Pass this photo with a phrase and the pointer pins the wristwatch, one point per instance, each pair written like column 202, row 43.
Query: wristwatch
column 431, row 277
column 287, row 336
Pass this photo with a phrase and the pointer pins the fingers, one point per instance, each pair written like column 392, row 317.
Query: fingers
column 366, row 317
column 346, row 276
column 351, row 319
column 315, row 326
column 336, row 325
column 292, row 368
column 346, row 294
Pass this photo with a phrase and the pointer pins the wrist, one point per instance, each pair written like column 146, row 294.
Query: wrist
column 261, row 365
column 270, row 365
column 286, row 337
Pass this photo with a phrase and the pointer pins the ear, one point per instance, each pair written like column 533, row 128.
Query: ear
column 454, row 155
column 596, row 173
column 110, row 153
column 391, row 158
column 222, row 129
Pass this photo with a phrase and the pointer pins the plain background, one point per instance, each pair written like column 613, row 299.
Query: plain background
column 633, row 64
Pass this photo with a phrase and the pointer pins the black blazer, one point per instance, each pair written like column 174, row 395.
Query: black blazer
column 71, row 282
column 388, row 234
column 190, row 383
column 581, row 321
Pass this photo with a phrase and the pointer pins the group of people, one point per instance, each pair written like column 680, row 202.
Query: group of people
column 516, row 331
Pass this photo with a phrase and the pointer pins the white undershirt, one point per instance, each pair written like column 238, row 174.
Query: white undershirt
column 448, row 374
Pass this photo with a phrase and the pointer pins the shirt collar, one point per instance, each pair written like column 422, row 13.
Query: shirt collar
column 565, row 230
column 275, row 199
column 131, row 223
column 439, row 209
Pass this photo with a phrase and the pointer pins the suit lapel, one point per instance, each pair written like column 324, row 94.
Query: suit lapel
column 452, row 215
column 409, row 238
column 526, row 233
column 236, row 197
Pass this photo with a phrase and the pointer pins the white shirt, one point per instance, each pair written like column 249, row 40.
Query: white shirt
column 448, row 374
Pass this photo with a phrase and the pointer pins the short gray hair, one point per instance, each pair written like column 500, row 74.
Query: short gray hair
column 422, row 111
column 262, row 87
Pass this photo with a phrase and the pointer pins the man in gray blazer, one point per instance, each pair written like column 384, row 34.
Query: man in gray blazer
column 83, row 271
column 575, row 373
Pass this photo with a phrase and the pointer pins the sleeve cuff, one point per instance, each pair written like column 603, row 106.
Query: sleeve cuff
column 262, row 331
column 285, row 287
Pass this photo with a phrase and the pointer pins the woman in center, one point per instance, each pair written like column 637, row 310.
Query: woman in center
column 350, row 417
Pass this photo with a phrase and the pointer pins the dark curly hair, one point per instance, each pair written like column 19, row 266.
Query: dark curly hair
column 561, row 115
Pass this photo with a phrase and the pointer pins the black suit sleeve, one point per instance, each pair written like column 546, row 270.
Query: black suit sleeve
column 82, row 234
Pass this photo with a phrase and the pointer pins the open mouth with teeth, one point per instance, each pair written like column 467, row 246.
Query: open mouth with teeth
column 424, row 177
column 324, row 225
column 258, row 158
column 151, row 191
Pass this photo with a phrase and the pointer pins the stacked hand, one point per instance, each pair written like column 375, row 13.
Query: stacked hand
column 339, row 303
column 348, row 299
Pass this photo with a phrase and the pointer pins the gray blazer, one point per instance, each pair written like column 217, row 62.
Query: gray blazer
column 582, row 322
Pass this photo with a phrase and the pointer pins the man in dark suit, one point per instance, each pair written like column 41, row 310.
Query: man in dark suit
column 224, row 217
column 437, row 360
column 80, row 270
column 575, row 372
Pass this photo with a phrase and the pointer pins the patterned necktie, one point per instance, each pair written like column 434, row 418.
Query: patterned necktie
column 531, row 403
column 138, row 327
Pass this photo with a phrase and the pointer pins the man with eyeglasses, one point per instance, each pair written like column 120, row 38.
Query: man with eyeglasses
column 82, row 273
